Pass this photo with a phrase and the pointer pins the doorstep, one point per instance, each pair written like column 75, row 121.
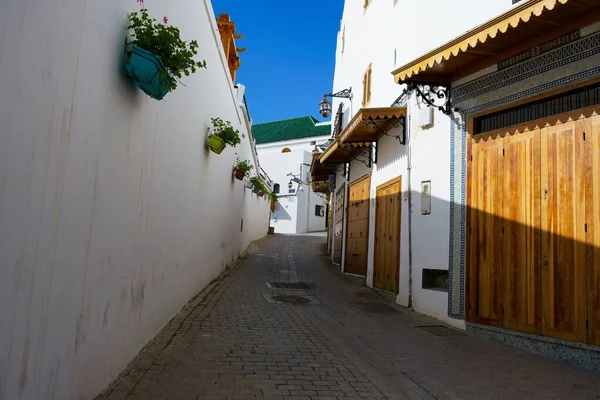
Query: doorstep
column 578, row 354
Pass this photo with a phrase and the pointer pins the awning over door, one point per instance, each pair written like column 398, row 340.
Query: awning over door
column 338, row 153
column 370, row 124
column 321, row 172
column 514, row 32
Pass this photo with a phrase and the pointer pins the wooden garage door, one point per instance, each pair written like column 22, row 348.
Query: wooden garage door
column 485, row 230
column 358, row 227
column 592, row 212
column 386, row 262
column 563, row 231
column 534, row 258
column 339, row 224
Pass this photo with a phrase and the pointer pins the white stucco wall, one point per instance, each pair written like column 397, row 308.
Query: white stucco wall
column 294, row 213
column 386, row 36
column 112, row 212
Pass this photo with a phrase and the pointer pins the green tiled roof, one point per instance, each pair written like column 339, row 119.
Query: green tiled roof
column 289, row 129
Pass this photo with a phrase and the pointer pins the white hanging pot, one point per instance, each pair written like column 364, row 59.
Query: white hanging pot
column 249, row 185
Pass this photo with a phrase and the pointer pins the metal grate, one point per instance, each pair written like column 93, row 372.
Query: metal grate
column 290, row 285
column 570, row 101
column 291, row 299
column 440, row 330
column 375, row 308
column 367, row 295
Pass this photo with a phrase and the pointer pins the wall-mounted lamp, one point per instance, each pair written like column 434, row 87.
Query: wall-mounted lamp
column 290, row 185
column 325, row 104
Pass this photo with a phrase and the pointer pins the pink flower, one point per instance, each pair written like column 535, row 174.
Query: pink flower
column 243, row 136
column 140, row 1
column 165, row 19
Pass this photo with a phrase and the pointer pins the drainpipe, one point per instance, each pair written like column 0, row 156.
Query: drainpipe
column 410, row 207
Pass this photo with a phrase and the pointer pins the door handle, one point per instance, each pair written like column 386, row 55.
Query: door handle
column 545, row 262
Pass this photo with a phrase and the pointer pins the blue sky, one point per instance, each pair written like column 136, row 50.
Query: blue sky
column 290, row 53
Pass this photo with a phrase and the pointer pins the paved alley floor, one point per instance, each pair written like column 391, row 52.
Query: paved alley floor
column 243, row 338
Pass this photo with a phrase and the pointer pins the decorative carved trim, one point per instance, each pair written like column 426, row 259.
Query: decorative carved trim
column 575, row 51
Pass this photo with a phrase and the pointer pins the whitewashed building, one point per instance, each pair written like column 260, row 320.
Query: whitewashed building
column 466, row 176
column 113, row 213
column 285, row 149
column 371, row 45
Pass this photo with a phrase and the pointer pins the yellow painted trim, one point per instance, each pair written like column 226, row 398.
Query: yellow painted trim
column 472, row 38
column 330, row 150
column 371, row 113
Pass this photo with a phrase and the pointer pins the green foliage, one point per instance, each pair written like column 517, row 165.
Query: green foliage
column 243, row 165
column 164, row 41
column 273, row 196
column 258, row 184
column 225, row 131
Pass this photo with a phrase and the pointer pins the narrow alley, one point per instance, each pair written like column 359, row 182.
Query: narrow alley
column 246, row 338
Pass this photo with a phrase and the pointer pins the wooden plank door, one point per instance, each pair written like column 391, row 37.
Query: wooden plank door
column 358, row 227
column 485, row 230
column 520, row 298
column 338, row 224
column 592, row 195
column 386, row 262
column 563, row 231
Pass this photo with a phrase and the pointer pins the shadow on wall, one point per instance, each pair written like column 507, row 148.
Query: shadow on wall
column 389, row 150
column 280, row 212
column 531, row 264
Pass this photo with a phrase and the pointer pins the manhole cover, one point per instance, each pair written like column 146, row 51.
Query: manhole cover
column 367, row 295
column 440, row 330
column 290, row 299
column 290, row 285
column 375, row 308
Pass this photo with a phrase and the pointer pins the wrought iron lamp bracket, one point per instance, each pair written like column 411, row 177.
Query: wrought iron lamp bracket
column 344, row 94
column 434, row 95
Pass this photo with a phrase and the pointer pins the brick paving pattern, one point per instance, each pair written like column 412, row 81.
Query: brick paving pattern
column 338, row 340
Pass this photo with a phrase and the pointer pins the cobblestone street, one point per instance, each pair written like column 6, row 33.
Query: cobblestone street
column 243, row 338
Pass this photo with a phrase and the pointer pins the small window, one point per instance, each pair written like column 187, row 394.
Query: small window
column 319, row 211
column 286, row 150
column 276, row 188
column 435, row 279
column 313, row 142
column 367, row 86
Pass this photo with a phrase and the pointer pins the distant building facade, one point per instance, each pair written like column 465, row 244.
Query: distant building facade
column 285, row 151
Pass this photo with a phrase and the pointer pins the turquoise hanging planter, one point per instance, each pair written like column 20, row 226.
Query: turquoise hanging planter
column 215, row 143
column 147, row 71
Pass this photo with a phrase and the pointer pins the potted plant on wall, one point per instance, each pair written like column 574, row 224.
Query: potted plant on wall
column 273, row 198
column 241, row 169
column 221, row 134
column 257, row 184
column 157, row 57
